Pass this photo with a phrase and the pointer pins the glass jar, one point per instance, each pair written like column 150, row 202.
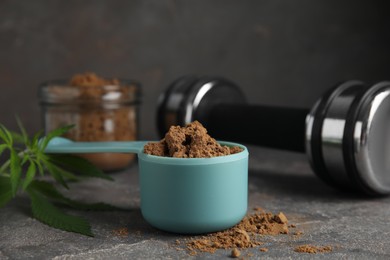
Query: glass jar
column 100, row 113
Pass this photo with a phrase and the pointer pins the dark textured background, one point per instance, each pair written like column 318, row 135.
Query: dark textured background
column 285, row 53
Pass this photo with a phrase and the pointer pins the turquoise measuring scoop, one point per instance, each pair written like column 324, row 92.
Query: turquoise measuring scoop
column 181, row 195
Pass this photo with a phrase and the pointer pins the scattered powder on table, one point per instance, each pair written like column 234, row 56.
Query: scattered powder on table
column 313, row 249
column 191, row 141
column 258, row 209
column 121, row 232
column 298, row 233
column 243, row 235
column 235, row 253
column 263, row 249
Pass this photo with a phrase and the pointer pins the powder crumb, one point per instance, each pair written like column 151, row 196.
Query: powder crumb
column 243, row 235
column 192, row 253
column 258, row 209
column 235, row 253
column 121, row 232
column 281, row 218
column 311, row 249
column 191, row 141
column 263, row 249
column 298, row 233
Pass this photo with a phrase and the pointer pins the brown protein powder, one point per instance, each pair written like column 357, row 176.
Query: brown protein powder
column 121, row 232
column 246, row 234
column 313, row 249
column 243, row 235
column 191, row 141
column 235, row 253
column 89, row 82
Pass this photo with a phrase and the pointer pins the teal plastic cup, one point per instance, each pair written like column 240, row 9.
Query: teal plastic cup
column 194, row 195
column 182, row 195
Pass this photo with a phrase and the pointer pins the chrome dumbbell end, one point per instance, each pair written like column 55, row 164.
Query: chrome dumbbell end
column 348, row 137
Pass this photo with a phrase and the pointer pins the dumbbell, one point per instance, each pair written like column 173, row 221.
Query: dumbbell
column 346, row 134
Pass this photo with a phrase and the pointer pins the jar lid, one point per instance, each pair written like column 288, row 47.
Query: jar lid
column 56, row 92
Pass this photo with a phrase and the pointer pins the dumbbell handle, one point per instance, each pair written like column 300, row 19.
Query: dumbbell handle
column 274, row 127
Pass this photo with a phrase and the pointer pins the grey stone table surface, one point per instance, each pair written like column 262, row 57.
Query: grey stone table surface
column 355, row 226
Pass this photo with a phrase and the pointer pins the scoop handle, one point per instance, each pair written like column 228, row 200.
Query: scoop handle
column 64, row 145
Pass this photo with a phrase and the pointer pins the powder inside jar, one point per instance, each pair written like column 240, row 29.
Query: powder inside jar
column 90, row 79
column 101, row 110
column 191, row 141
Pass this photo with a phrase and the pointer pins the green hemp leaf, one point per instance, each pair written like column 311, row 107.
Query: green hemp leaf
column 24, row 167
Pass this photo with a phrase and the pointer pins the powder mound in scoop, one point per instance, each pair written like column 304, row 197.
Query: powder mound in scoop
column 191, row 141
